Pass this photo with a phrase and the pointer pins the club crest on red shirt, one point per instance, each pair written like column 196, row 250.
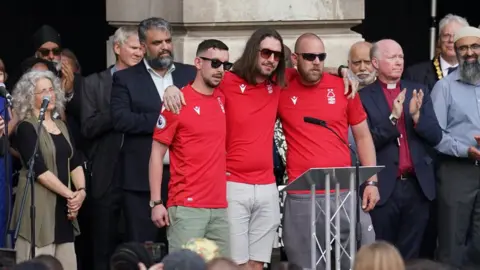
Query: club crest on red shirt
column 161, row 122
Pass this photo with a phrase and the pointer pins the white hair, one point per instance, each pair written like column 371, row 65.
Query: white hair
column 24, row 96
column 123, row 33
column 449, row 19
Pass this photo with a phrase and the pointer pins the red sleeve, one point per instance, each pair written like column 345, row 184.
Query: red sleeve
column 166, row 127
column 356, row 112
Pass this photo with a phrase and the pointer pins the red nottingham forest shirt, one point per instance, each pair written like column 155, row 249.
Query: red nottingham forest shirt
column 312, row 146
column 196, row 140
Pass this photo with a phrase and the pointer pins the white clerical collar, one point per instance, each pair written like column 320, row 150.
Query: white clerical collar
column 391, row 85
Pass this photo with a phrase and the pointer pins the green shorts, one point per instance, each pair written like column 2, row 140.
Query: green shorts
column 188, row 222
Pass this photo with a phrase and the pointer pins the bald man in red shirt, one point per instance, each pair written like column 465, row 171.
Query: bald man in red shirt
column 311, row 92
column 252, row 94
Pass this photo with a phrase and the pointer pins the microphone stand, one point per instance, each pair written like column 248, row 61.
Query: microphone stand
column 31, row 182
column 358, row 232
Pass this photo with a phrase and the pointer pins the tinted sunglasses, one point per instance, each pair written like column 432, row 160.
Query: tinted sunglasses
column 312, row 56
column 266, row 54
column 215, row 63
column 46, row 52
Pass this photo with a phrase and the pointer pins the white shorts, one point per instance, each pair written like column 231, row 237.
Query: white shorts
column 253, row 216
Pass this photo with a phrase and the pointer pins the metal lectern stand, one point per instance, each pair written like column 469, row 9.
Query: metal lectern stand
column 322, row 179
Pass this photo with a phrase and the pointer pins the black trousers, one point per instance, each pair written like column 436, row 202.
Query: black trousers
column 105, row 221
column 139, row 225
column 459, row 213
column 403, row 218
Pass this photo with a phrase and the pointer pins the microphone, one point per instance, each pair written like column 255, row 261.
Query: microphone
column 43, row 108
column 5, row 94
column 322, row 123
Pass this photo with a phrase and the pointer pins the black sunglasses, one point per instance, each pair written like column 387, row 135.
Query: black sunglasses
column 215, row 63
column 267, row 53
column 312, row 56
column 46, row 52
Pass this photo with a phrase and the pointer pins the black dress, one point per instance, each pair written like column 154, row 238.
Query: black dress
column 25, row 142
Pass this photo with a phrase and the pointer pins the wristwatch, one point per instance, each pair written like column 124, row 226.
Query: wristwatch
column 393, row 119
column 339, row 70
column 371, row 183
column 155, row 203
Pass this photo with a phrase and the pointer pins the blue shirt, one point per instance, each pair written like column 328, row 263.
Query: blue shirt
column 457, row 107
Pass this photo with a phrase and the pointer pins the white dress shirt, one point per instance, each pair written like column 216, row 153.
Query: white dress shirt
column 444, row 65
column 161, row 83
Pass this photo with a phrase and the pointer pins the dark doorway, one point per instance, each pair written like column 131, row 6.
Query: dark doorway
column 409, row 21
column 81, row 23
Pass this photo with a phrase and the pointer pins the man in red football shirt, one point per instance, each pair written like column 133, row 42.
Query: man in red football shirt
column 313, row 93
column 197, row 199
column 252, row 92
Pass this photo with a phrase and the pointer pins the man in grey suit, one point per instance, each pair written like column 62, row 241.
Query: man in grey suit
column 105, row 190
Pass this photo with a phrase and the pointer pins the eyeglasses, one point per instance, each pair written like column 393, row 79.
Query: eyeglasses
column 45, row 91
column 312, row 56
column 464, row 48
column 46, row 52
column 215, row 63
column 446, row 37
column 267, row 53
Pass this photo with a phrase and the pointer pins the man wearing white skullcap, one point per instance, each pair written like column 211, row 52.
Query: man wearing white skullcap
column 456, row 101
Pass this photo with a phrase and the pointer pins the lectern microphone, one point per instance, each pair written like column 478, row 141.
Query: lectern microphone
column 322, row 123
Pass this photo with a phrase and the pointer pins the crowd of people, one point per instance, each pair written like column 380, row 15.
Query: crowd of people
column 156, row 152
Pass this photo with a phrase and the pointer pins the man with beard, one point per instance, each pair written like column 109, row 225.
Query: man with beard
column 456, row 101
column 403, row 127
column 135, row 105
column 312, row 92
column 252, row 91
column 197, row 201
column 431, row 71
column 105, row 189
column 360, row 64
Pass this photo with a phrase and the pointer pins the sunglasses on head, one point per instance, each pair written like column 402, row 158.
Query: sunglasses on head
column 312, row 56
column 215, row 63
column 46, row 52
column 267, row 53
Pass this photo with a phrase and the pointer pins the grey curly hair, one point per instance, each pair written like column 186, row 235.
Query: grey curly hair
column 24, row 96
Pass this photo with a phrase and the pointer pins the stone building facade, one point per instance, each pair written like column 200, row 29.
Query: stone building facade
column 233, row 21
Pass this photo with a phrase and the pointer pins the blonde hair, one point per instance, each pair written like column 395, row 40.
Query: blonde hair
column 378, row 256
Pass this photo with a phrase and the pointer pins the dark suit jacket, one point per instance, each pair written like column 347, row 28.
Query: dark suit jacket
column 135, row 106
column 427, row 133
column 97, row 127
column 422, row 73
column 73, row 114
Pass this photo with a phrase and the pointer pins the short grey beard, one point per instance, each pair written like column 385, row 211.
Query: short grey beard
column 159, row 63
column 469, row 72
column 367, row 81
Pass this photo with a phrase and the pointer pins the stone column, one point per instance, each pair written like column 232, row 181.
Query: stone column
column 233, row 21
column 110, row 54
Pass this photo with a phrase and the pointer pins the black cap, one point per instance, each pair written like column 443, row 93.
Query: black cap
column 45, row 34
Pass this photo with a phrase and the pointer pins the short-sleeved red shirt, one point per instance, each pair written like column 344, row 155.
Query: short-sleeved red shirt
column 312, row 146
column 251, row 114
column 196, row 140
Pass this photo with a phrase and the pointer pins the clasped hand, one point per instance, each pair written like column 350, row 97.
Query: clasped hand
column 74, row 203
